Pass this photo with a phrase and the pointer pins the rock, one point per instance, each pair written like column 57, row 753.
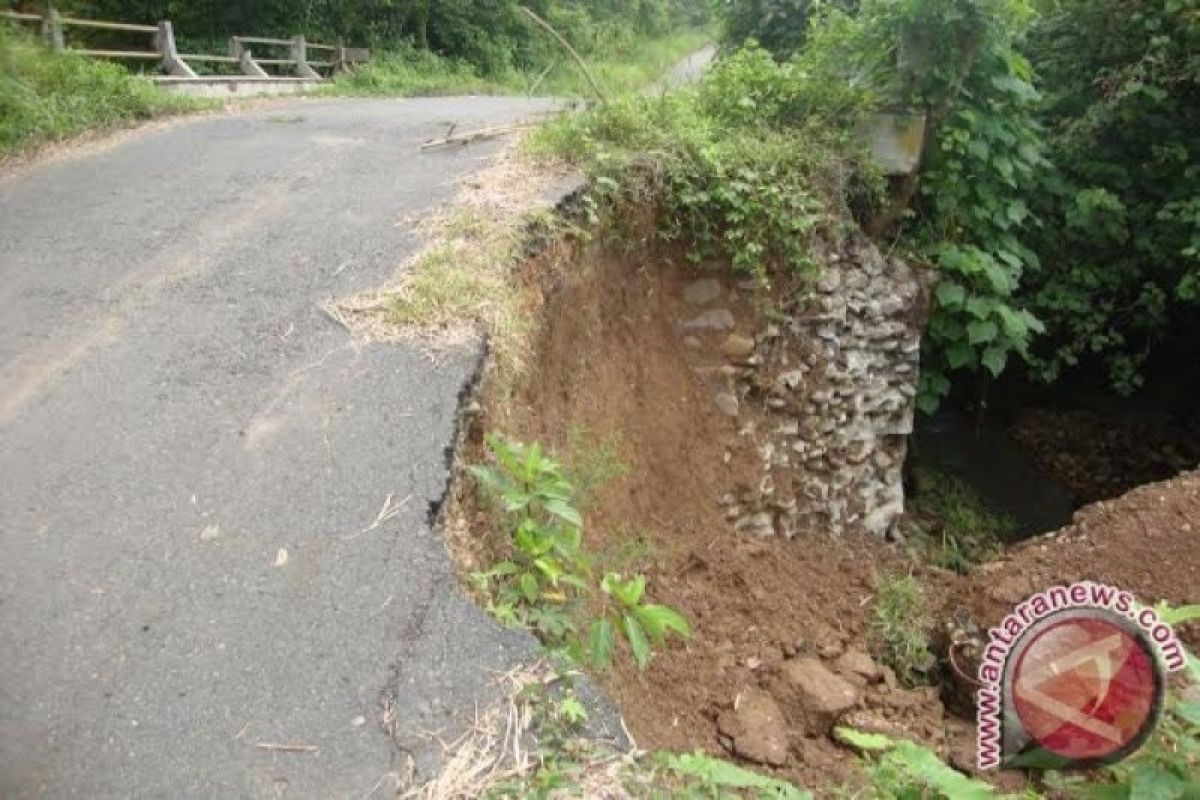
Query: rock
column 702, row 292
column 791, row 379
column 756, row 728
column 691, row 342
column 758, row 524
column 737, row 346
column 717, row 319
column 829, row 282
column 820, row 696
column 855, row 664
column 727, row 403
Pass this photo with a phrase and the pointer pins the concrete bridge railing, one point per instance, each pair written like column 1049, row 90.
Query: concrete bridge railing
column 290, row 55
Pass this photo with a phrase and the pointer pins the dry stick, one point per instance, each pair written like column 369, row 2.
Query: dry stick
column 571, row 50
column 472, row 136
column 287, row 749
column 541, row 78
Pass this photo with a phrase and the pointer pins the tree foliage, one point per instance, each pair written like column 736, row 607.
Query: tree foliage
column 489, row 34
column 1059, row 193
column 1120, row 240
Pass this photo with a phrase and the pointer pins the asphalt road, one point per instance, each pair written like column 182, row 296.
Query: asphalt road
column 192, row 455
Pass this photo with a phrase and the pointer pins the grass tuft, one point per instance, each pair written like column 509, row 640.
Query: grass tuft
column 899, row 628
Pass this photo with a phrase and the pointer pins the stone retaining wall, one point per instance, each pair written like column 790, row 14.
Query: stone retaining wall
column 824, row 390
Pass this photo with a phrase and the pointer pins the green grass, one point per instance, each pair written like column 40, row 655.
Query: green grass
column 406, row 71
column 900, row 627
column 47, row 97
column 954, row 528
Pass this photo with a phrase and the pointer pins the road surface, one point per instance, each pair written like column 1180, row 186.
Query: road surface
column 193, row 457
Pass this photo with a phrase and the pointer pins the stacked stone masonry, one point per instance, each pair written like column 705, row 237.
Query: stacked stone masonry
column 824, row 391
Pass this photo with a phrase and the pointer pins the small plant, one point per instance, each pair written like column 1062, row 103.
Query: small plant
column 899, row 628
column 547, row 569
column 626, row 616
column 545, row 583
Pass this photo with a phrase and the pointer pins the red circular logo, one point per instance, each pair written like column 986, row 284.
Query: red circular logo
column 1086, row 687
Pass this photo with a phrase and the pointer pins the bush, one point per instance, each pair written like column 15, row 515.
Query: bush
column 406, row 70
column 46, row 96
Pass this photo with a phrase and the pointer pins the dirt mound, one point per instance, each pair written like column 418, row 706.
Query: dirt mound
column 1146, row 541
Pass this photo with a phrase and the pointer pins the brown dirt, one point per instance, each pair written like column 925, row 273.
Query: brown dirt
column 611, row 359
column 1146, row 541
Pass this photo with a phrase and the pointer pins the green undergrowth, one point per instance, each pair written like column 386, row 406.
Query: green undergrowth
column 406, row 71
column 952, row 527
column 546, row 581
column 748, row 165
column 47, row 97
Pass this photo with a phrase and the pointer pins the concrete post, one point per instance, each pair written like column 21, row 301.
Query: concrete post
column 299, row 53
column 52, row 31
column 245, row 59
column 164, row 40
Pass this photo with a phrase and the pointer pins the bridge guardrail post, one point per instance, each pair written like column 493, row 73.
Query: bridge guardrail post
column 52, row 30
column 172, row 64
column 245, row 58
column 299, row 54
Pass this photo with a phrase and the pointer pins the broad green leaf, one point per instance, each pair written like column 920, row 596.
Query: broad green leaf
column 981, row 331
column 1150, row 781
column 658, row 620
column 924, row 765
column 981, row 307
column 959, row 354
column 994, row 358
column 564, row 511
column 637, row 640
column 864, row 741
column 600, row 643
column 1177, row 615
column 529, row 587
column 950, row 295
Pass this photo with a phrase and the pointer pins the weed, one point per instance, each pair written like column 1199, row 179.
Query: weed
column 696, row 776
column 899, row 628
column 545, row 583
column 955, row 529
column 641, row 625
column 546, row 573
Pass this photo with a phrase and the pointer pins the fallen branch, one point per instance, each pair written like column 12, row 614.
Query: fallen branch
column 476, row 135
column 287, row 748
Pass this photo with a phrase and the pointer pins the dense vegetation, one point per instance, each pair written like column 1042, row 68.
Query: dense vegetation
column 1059, row 188
column 44, row 97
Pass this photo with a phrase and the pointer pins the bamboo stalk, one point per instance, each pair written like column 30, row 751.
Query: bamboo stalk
column 571, row 50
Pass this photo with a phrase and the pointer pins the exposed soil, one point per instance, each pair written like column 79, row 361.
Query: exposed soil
column 611, row 359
